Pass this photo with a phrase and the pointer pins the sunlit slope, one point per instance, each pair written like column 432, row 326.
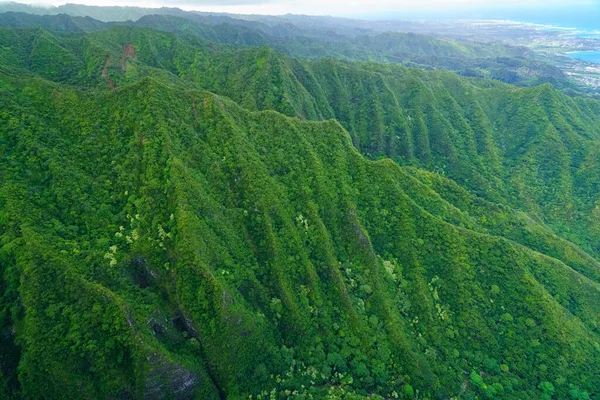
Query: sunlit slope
column 533, row 148
column 158, row 240
column 313, row 39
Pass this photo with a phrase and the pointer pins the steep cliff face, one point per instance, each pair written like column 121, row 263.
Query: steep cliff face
column 159, row 240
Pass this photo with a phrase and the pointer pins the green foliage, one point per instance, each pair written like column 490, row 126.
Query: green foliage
column 160, row 240
column 476, row 380
column 408, row 391
column 510, row 64
column 547, row 389
column 576, row 394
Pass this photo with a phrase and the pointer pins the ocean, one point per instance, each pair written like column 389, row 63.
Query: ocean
column 589, row 56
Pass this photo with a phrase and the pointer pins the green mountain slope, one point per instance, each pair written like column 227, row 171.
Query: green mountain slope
column 158, row 240
column 510, row 64
column 489, row 137
column 99, row 13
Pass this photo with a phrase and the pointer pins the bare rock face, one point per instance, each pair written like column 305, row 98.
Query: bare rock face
column 105, row 76
column 129, row 51
column 168, row 380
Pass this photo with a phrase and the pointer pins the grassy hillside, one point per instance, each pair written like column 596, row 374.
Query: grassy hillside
column 180, row 219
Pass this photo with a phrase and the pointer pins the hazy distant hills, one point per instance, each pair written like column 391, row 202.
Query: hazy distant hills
column 105, row 14
column 510, row 64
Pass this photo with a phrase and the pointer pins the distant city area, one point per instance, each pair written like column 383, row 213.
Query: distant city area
column 576, row 52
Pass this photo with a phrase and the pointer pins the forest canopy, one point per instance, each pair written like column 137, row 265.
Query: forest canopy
column 189, row 213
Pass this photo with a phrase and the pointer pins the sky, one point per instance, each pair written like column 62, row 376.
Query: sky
column 378, row 9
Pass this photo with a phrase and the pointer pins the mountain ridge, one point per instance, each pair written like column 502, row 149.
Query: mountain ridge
column 281, row 238
column 515, row 65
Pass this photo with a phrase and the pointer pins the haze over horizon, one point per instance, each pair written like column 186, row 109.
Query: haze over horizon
column 578, row 13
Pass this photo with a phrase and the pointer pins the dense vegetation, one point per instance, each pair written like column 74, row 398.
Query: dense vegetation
column 183, row 218
column 510, row 64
